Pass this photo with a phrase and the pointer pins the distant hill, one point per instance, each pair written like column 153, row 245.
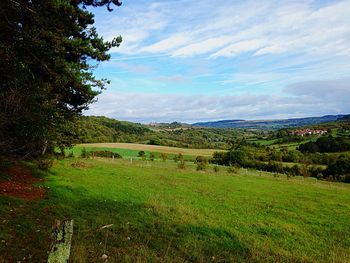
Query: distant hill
column 170, row 126
column 94, row 129
column 269, row 124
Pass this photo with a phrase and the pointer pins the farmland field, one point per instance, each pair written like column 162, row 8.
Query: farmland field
column 161, row 213
column 151, row 148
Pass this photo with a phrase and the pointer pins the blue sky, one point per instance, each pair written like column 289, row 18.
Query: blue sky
column 189, row 61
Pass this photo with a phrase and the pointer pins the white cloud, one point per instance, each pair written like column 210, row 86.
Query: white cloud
column 167, row 44
column 313, row 30
column 311, row 98
column 291, row 26
column 232, row 46
column 202, row 47
column 239, row 47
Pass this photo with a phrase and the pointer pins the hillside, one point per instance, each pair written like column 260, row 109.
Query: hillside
column 103, row 129
column 156, row 212
column 93, row 129
column 269, row 124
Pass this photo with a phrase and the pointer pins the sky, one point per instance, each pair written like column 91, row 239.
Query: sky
column 202, row 60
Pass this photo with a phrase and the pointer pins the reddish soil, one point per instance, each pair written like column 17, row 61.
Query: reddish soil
column 20, row 184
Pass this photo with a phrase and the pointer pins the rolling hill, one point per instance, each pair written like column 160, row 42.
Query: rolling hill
column 269, row 124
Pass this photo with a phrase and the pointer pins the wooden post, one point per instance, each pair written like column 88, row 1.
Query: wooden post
column 62, row 234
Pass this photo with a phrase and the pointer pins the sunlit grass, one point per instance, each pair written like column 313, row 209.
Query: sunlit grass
column 162, row 213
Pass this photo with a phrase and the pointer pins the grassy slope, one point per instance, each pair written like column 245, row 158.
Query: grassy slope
column 161, row 213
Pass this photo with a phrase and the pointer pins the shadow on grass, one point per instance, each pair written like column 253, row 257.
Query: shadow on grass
column 139, row 233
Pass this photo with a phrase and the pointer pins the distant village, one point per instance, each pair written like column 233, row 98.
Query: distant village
column 307, row 131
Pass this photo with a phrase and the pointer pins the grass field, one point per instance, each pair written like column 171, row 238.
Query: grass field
column 151, row 148
column 164, row 214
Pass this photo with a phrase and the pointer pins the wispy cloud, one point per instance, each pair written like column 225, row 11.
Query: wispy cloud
column 269, row 28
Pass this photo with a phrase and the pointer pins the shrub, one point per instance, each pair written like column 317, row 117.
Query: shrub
column 45, row 164
column 216, row 169
column 319, row 176
column 164, row 156
column 233, row 169
column 295, row 170
column 178, row 157
column 141, row 154
column 106, row 154
column 181, row 164
column 201, row 166
column 151, row 157
column 201, row 159
column 83, row 153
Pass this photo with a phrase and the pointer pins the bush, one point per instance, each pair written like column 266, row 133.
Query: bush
column 84, row 153
column 106, row 154
column 233, row 169
column 216, row 169
column 164, row 156
column 141, row 154
column 339, row 168
column 201, row 166
column 178, row 157
column 151, row 157
column 45, row 164
column 181, row 164
column 319, row 176
column 201, row 159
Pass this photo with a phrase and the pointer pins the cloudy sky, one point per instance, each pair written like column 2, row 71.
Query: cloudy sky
column 196, row 60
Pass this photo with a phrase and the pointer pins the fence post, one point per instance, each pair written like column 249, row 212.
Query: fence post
column 62, row 234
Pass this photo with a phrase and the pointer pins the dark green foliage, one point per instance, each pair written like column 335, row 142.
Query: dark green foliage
column 45, row 164
column 164, row 156
column 266, row 159
column 141, row 154
column 220, row 158
column 4, row 165
column 201, row 159
column 47, row 50
column 216, row 169
column 201, row 162
column 201, row 166
column 178, row 157
column 154, row 141
column 84, row 153
column 104, row 154
column 339, row 168
column 151, row 157
column 286, row 136
column 326, row 144
column 233, row 169
column 181, row 164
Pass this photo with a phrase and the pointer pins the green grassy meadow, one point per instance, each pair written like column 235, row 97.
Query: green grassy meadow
column 151, row 148
column 131, row 150
column 161, row 213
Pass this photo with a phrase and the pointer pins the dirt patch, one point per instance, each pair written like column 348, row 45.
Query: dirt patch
column 20, row 184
